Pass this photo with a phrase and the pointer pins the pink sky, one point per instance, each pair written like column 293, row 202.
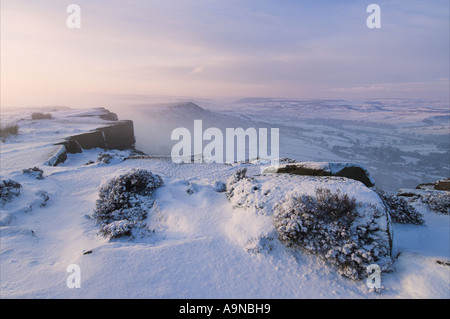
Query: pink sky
column 213, row 49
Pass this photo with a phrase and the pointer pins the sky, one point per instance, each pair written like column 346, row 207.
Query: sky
column 229, row 48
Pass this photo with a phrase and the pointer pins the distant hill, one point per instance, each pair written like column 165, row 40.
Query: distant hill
column 154, row 124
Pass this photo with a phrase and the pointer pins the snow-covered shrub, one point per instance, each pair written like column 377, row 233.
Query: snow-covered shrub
column 39, row 200
column 8, row 190
column 41, row 116
column 335, row 206
column 263, row 244
column 438, row 201
column 104, row 158
column 241, row 180
column 330, row 226
column 400, row 210
column 43, row 197
column 8, row 130
column 108, row 158
column 191, row 188
column 238, row 175
column 120, row 228
column 6, row 219
column 287, row 160
column 124, row 202
column 34, row 172
column 348, row 227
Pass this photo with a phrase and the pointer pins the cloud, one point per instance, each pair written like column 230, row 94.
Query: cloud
column 197, row 70
column 249, row 47
column 438, row 89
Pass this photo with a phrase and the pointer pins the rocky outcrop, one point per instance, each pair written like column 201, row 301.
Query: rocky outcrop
column 59, row 156
column 436, row 200
column 109, row 116
column 118, row 136
column 442, row 185
column 338, row 219
column 99, row 112
column 348, row 170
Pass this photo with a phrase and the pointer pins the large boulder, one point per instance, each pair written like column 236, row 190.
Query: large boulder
column 336, row 218
column 348, row 170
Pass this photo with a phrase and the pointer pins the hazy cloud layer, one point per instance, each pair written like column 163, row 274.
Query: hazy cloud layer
column 220, row 48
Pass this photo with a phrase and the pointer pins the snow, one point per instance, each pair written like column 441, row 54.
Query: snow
column 201, row 245
column 289, row 199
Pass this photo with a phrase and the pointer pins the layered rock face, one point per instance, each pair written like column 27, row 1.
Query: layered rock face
column 118, row 136
column 348, row 170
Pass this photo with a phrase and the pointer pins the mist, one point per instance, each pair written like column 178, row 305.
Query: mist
column 403, row 142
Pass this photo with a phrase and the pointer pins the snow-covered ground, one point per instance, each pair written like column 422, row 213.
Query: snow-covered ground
column 403, row 142
column 200, row 246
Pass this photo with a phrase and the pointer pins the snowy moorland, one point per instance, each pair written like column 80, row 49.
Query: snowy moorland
column 403, row 142
column 212, row 230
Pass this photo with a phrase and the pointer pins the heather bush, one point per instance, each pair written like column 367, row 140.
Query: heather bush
column 8, row 130
column 330, row 226
column 8, row 190
column 438, row 201
column 124, row 202
column 34, row 172
column 335, row 206
column 41, row 116
column 43, row 198
column 238, row 178
column 400, row 210
column 104, row 158
column 191, row 188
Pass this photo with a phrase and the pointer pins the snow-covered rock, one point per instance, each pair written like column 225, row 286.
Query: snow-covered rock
column 349, row 170
column 336, row 218
column 59, row 156
column 219, row 186
column 442, row 185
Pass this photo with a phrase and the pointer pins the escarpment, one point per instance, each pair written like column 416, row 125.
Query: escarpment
column 118, row 135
